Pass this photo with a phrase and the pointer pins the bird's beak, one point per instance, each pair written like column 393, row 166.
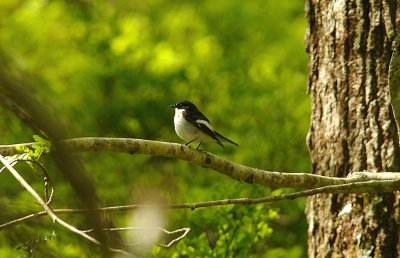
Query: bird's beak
column 173, row 106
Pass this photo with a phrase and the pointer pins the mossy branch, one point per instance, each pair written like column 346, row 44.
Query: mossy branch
column 207, row 160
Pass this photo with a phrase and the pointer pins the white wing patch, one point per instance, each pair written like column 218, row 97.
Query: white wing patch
column 204, row 122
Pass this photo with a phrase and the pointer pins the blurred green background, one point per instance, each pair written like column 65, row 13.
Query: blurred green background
column 112, row 68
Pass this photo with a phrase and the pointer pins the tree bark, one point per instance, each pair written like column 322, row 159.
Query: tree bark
column 352, row 124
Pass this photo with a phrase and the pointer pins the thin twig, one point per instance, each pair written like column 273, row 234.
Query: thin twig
column 48, row 199
column 11, row 164
column 185, row 230
column 48, row 210
column 374, row 186
column 34, row 162
column 46, row 177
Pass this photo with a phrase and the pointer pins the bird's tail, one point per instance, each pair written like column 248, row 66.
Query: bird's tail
column 223, row 139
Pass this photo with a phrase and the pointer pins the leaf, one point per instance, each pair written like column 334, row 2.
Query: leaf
column 41, row 140
column 43, row 146
column 23, row 149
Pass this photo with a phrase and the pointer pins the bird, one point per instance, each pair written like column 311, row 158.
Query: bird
column 194, row 127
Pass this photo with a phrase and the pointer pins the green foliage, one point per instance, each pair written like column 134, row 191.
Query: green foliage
column 230, row 236
column 42, row 146
column 111, row 68
column 30, row 246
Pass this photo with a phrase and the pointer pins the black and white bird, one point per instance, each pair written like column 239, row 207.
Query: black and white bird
column 192, row 126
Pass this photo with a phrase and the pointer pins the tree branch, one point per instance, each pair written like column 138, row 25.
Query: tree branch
column 373, row 186
column 47, row 209
column 207, row 160
column 184, row 230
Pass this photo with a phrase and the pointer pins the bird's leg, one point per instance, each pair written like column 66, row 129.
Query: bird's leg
column 190, row 141
column 199, row 145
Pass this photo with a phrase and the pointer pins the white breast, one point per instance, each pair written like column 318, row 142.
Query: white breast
column 186, row 131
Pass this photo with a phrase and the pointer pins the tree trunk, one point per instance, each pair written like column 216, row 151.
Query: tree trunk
column 352, row 124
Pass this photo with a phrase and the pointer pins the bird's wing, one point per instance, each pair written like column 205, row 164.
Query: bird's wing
column 201, row 122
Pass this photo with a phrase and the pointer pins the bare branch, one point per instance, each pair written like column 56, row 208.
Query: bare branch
column 48, row 210
column 208, row 160
column 46, row 177
column 374, row 186
column 11, row 164
column 185, row 230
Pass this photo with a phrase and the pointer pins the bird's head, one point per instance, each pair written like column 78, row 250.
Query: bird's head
column 184, row 105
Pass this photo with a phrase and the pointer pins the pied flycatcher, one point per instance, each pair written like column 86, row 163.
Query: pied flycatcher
column 192, row 126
